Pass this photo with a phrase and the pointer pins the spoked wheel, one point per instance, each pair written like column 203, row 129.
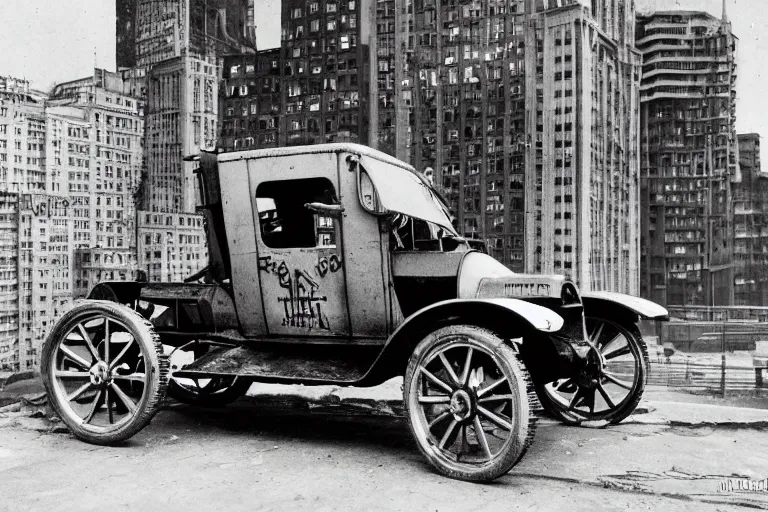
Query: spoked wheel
column 104, row 371
column 611, row 385
column 209, row 392
column 213, row 391
column 467, row 401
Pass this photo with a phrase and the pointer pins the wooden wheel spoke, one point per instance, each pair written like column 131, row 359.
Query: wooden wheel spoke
column 88, row 342
column 79, row 391
column 498, row 420
column 618, row 352
column 447, row 434
column 110, row 411
column 71, row 375
column 574, row 399
column 496, row 398
column 106, row 340
column 481, row 393
column 481, row 438
column 449, row 369
column 121, row 354
column 437, row 419
column 606, row 396
column 137, row 377
column 434, row 399
column 82, row 363
column 467, row 364
column 434, row 379
column 611, row 377
column 130, row 404
column 589, row 400
column 94, row 407
column 596, row 334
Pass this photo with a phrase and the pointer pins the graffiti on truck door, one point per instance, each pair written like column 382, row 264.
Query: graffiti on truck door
column 301, row 300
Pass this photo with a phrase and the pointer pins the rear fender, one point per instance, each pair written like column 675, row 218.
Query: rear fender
column 509, row 318
column 620, row 306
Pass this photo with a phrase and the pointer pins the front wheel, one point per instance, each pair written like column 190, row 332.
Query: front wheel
column 104, row 371
column 468, row 403
column 611, row 391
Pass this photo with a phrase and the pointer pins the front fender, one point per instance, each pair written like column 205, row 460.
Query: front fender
column 509, row 318
column 603, row 303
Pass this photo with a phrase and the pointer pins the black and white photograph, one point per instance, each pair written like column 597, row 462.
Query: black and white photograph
column 383, row 255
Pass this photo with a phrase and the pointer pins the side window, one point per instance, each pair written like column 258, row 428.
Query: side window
column 284, row 220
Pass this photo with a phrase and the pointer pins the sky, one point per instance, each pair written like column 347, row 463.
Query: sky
column 49, row 41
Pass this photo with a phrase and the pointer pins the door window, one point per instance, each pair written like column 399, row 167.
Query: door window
column 284, row 220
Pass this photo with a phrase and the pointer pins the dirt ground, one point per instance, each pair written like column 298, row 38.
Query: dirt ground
column 255, row 456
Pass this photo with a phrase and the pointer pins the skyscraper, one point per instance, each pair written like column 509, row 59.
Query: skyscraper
column 169, row 50
column 750, row 203
column 689, row 157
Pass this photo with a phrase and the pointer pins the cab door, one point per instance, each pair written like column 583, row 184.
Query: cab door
column 300, row 268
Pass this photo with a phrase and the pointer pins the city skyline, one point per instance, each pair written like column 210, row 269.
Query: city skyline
column 65, row 40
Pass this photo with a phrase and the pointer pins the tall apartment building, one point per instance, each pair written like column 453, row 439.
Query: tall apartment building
column 689, row 157
column 750, row 202
column 523, row 112
column 9, row 280
column 35, row 230
column 326, row 49
column 96, row 148
column 45, row 269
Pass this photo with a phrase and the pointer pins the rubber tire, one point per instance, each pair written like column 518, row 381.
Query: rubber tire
column 225, row 397
column 525, row 421
column 620, row 414
column 156, row 364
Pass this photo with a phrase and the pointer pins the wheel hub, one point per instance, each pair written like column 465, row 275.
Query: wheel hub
column 590, row 375
column 461, row 405
column 99, row 374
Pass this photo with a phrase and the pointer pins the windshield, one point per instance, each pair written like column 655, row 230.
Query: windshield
column 402, row 191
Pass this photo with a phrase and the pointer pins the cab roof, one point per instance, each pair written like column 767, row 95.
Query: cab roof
column 340, row 147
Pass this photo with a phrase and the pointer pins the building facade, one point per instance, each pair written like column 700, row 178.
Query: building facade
column 96, row 150
column 524, row 113
column 251, row 102
column 35, row 231
column 71, row 162
column 169, row 51
column 172, row 246
column 750, row 202
column 689, row 157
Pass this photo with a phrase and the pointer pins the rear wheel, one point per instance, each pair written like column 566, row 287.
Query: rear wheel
column 213, row 391
column 609, row 391
column 207, row 392
column 104, row 371
column 467, row 399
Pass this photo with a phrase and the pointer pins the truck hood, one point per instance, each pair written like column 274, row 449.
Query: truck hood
column 481, row 276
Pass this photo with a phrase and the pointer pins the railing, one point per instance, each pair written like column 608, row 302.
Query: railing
column 713, row 357
column 719, row 313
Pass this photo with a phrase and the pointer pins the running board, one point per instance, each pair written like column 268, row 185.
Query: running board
column 310, row 364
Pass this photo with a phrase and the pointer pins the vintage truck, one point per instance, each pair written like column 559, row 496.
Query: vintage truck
column 338, row 264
